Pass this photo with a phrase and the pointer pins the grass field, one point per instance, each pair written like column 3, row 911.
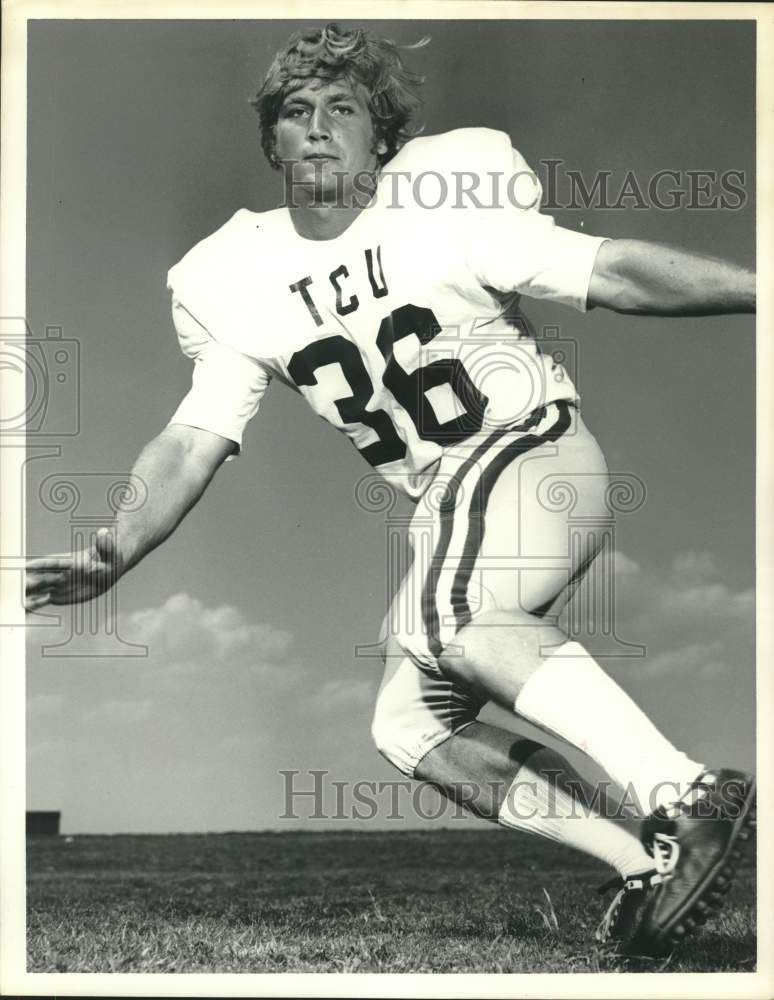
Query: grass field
column 439, row 901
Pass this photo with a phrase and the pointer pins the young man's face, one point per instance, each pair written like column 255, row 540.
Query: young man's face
column 323, row 130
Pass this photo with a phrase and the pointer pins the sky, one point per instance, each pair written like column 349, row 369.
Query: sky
column 141, row 142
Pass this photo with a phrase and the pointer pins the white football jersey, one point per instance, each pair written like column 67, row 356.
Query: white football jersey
column 403, row 332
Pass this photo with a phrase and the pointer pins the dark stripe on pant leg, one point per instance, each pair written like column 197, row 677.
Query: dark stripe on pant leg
column 478, row 506
column 447, row 509
column 542, row 610
column 520, row 752
column 471, row 548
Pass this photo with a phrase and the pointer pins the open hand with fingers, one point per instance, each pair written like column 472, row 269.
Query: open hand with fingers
column 73, row 577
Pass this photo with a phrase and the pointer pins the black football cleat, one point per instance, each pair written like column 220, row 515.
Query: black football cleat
column 694, row 843
column 626, row 923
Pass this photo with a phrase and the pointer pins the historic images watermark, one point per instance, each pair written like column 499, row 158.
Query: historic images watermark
column 316, row 794
column 42, row 415
column 665, row 190
column 553, row 187
column 50, row 369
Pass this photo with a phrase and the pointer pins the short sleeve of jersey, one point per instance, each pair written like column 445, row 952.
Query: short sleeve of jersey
column 513, row 247
column 227, row 386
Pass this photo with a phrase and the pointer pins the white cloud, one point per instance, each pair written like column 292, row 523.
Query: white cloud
column 184, row 630
column 624, row 566
column 202, row 663
column 343, row 691
column 691, row 622
column 709, row 601
column 694, row 565
column 701, row 659
column 691, row 593
column 193, row 647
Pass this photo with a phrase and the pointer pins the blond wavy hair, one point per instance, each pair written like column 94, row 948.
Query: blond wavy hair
column 357, row 55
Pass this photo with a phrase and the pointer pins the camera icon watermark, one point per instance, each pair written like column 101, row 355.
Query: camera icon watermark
column 49, row 369
column 498, row 374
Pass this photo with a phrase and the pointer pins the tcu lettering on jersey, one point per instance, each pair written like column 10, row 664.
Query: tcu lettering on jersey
column 378, row 287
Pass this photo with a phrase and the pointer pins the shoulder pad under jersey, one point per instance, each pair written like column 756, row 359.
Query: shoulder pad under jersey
column 218, row 280
column 466, row 153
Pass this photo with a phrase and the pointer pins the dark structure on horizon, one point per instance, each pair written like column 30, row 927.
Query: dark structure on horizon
column 43, row 824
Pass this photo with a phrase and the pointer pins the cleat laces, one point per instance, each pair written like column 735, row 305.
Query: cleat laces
column 603, row 931
column 666, row 851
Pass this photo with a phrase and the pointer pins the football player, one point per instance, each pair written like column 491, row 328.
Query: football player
column 424, row 361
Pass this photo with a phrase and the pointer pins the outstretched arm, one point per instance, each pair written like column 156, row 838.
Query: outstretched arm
column 175, row 469
column 635, row 276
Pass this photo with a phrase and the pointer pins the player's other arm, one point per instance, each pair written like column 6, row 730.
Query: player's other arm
column 636, row 276
column 175, row 469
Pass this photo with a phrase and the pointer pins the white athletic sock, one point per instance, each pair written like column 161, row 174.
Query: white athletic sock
column 535, row 806
column 570, row 695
